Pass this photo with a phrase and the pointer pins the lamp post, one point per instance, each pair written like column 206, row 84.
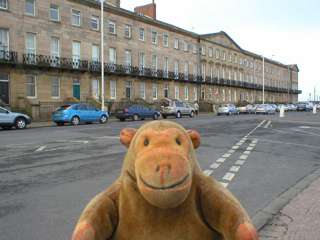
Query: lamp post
column 102, row 57
column 262, row 79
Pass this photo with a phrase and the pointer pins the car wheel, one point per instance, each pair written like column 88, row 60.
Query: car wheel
column 75, row 120
column 7, row 128
column 164, row 116
column 20, row 123
column 178, row 115
column 122, row 119
column 135, row 117
column 192, row 114
column 103, row 119
column 155, row 116
column 60, row 124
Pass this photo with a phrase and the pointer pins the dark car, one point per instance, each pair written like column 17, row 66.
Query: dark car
column 76, row 113
column 9, row 119
column 303, row 107
column 136, row 112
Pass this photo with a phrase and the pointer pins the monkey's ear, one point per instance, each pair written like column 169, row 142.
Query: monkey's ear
column 126, row 136
column 195, row 138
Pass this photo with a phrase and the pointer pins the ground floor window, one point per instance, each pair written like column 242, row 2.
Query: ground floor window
column 31, row 86
column 186, row 93
column 113, row 88
column 55, row 87
column 217, row 94
column 96, row 88
column 142, row 90
column 155, row 91
column 176, row 92
column 195, row 93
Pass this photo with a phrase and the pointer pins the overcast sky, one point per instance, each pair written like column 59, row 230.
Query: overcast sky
column 287, row 29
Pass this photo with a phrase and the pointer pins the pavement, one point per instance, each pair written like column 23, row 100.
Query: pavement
column 293, row 215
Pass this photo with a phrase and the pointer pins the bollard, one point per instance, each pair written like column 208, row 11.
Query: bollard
column 281, row 112
column 314, row 109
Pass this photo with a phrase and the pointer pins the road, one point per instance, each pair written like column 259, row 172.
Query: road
column 49, row 174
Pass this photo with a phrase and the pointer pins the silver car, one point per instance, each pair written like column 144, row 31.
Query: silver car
column 9, row 119
column 265, row 109
column 176, row 108
column 227, row 109
column 247, row 109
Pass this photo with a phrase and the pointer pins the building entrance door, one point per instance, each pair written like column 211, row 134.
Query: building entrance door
column 76, row 88
column 128, row 90
column 4, row 87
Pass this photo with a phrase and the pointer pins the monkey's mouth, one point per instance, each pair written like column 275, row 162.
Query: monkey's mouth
column 165, row 188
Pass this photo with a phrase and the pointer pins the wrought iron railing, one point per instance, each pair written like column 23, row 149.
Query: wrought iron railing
column 61, row 62
column 112, row 68
column 8, row 56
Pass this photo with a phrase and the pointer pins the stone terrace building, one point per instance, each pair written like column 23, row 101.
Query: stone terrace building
column 50, row 55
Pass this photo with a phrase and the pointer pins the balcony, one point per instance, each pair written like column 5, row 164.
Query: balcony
column 8, row 57
column 42, row 61
column 50, row 62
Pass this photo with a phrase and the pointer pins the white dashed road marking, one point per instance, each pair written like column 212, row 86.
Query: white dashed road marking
column 229, row 176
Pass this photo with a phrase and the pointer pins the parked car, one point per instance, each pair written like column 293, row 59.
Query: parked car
column 284, row 107
column 247, row 109
column 136, row 112
column 9, row 119
column 176, row 108
column 76, row 113
column 303, row 107
column 275, row 107
column 265, row 109
column 227, row 109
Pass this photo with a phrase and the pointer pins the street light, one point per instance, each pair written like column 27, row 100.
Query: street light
column 262, row 79
column 102, row 58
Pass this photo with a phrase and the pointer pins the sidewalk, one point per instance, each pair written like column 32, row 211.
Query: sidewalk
column 299, row 219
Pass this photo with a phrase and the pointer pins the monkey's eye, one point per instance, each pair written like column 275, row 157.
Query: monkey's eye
column 178, row 141
column 146, row 142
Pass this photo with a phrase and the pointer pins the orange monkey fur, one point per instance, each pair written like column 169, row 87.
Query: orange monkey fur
column 163, row 194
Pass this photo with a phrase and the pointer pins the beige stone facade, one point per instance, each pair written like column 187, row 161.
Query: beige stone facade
column 50, row 51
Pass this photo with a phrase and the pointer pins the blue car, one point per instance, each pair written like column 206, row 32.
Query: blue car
column 76, row 113
column 136, row 112
column 9, row 119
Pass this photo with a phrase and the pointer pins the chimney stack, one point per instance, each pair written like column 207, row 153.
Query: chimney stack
column 148, row 10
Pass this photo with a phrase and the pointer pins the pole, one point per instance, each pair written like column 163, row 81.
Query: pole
column 102, row 58
column 288, row 82
column 262, row 79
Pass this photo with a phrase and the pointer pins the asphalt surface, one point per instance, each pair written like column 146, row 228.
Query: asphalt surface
column 292, row 215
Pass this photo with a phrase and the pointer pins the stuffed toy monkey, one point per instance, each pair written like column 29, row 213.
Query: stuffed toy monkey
column 163, row 194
